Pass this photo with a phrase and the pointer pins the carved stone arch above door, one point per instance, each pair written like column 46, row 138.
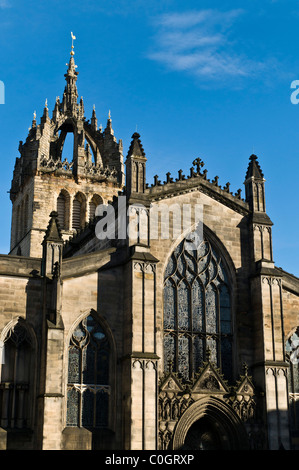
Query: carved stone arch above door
column 212, row 423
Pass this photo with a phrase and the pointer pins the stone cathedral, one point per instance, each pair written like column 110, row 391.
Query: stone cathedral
column 115, row 339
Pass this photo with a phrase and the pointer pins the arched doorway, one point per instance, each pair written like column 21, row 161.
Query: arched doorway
column 203, row 435
column 210, row 424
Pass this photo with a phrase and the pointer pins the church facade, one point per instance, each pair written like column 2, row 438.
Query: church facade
column 137, row 316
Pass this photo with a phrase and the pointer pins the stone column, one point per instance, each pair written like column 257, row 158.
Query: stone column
column 270, row 369
column 143, row 361
column 53, row 394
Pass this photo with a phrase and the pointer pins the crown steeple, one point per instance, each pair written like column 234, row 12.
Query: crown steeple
column 69, row 146
column 70, row 95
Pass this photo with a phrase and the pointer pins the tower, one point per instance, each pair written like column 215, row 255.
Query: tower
column 46, row 180
column 270, row 366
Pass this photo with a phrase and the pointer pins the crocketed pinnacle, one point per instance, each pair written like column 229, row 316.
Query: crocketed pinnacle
column 254, row 169
column 136, row 148
column 70, row 95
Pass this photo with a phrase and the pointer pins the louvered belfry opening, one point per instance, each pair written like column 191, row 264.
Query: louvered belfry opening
column 79, row 208
column 92, row 210
column 61, row 209
column 93, row 204
column 76, row 214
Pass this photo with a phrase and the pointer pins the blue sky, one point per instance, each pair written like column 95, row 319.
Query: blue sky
column 208, row 79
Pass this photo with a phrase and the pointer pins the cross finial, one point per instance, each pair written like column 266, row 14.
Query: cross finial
column 73, row 38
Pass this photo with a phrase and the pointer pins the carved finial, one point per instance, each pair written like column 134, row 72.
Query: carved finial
column 170, row 365
column 199, row 164
column 215, row 180
column 46, row 103
column 34, row 115
column 109, row 114
column 73, row 38
column 245, row 368
column 208, row 354
column 238, row 193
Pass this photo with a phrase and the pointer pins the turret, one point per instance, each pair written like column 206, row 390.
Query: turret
column 260, row 223
column 255, row 186
column 136, row 167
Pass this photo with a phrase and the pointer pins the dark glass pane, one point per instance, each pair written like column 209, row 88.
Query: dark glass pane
column 212, row 346
column 90, row 323
column 182, row 265
column 169, row 351
column 171, row 266
column 226, row 357
column 102, row 367
column 197, row 353
column 295, row 367
column 169, row 305
column 79, row 333
column 211, row 310
column 88, row 365
column 102, row 408
column 74, row 365
column 183, row 356
column 184, row 306
column 72, row 416
column 197, row 306
column 87, row 408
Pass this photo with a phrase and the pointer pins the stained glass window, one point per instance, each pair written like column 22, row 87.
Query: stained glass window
column 292, row 351
column 197, row 310
column 88, row 376
column 15, row 378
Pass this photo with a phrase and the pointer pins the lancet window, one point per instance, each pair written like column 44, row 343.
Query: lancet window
column 63, row 210
column 79, row 208
column 16, row 378
column 292, row 353
column 88, row 388
column 197, row 310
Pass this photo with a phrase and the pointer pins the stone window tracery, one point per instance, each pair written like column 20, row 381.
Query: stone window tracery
column 88, row 387
column 292, row 353
column 197, row 310
column 15, row 378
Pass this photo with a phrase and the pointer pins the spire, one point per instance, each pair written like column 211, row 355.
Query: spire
column 94, row 121
column 109, row 129
column 34, row 120
column 70, row 95
column 254, row 169
column 81, row 109
column 46, row 112
column 52, row 246
column 255, row 186
column 53, row 232
column 56, row 110
column 136, row 148
column 136, row 166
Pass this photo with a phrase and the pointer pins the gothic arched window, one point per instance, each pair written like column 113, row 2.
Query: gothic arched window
column 292, row 352
column 16, row 381
column 197, row 310
column 88, row 388
column 93, row 204
column 63, row 208
column 79, row 205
